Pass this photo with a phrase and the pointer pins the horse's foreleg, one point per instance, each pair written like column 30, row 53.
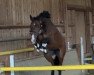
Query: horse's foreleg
column 59, row 72
column 50, row 59
column 61, row 58
column 52, row 72
column 57, row 63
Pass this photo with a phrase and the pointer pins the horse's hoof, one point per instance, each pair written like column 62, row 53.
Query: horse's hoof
column 45, row 51
column 44, row 44
column 35, row 46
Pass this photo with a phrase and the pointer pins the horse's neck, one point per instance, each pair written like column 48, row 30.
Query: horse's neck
column 50, row 26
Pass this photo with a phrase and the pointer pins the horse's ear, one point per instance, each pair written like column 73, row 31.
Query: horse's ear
column 31, row 18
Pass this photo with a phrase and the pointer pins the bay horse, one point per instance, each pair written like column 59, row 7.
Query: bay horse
column 47, row 39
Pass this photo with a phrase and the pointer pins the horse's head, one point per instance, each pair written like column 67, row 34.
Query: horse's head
column 38, row 25
column 35, row 28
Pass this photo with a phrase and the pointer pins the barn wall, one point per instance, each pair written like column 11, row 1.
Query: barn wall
column 14, row 38
column 75, row 21
column 76, row 27
column 80, row 28
column 16, row 12
column 92, row 22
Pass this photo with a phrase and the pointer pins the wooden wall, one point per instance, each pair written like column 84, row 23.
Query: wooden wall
column 16, row 12
column 92, row 20
column 79, row 2
column 78, row 22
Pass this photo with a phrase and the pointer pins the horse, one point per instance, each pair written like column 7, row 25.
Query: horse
column 46, row 38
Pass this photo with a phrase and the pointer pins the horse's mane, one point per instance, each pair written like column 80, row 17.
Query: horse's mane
column 44, row 14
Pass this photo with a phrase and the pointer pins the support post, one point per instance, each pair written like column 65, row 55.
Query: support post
column 82, row 51
column 12, row 63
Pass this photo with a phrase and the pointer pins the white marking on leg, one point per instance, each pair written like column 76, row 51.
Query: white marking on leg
column 41, row 49
column 45, row 50
column 38, row 50
column 53, row 56
column 37, row 45
column 44, row 44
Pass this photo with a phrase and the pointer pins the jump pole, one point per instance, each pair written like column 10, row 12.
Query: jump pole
column 11, row 57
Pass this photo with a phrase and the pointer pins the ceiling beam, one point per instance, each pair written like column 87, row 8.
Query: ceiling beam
column 78, row 7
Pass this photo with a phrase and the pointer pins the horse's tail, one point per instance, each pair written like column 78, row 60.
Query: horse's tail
column 56, row 60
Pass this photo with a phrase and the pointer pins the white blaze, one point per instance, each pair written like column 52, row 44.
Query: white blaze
column 33, row 39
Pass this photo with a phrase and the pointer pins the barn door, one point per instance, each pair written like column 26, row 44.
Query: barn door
column 70, row 28
column 80, row 28
column 75, row 27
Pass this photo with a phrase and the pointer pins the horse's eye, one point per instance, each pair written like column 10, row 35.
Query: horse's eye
column 41, row 25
